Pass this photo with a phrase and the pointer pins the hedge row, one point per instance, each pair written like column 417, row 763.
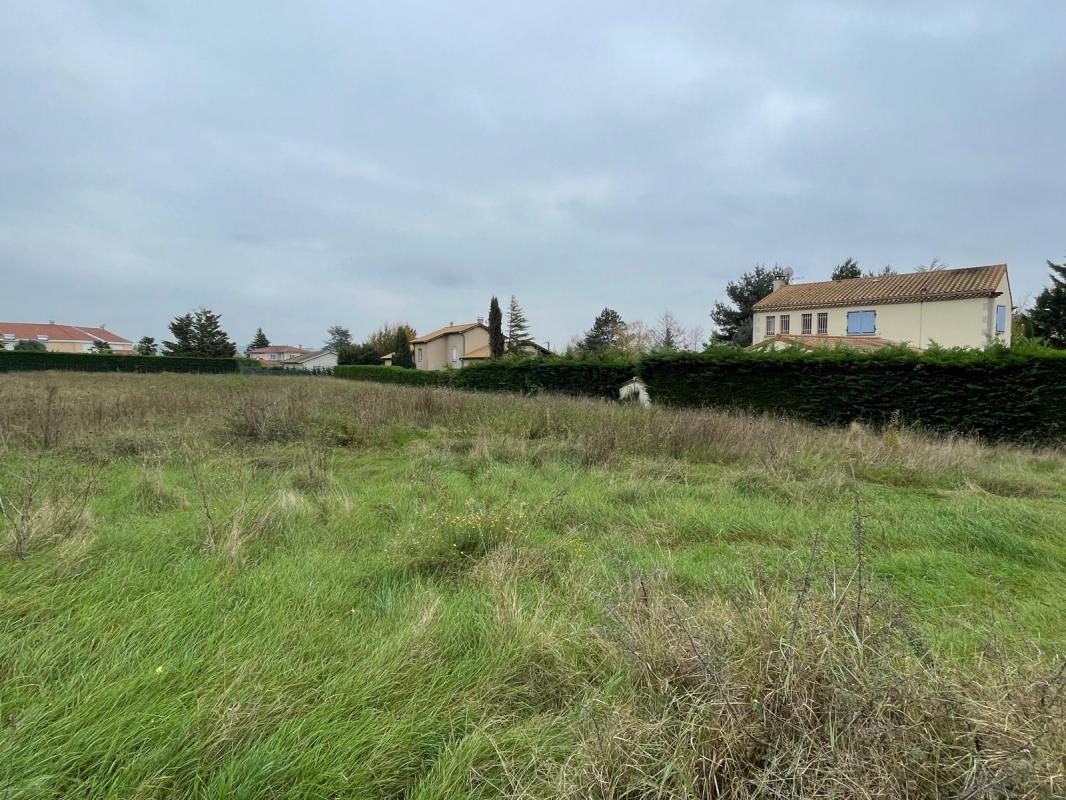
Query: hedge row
column 382, row 374
column 587, row 377
column 19, row 360
column 997, row 393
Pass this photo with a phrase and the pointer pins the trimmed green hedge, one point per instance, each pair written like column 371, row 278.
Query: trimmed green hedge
column 383, row 374
column 18, row 360
column 997, row 393
column 590, row 377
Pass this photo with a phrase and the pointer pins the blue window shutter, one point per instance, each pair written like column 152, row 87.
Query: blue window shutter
column 1001, row 319
column 854, row 321
column 869, row 321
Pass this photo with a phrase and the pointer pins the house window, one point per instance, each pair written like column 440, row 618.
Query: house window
column 823, row 323
column 862, row 322
column 42, row 337
column 1001, row 319
column 805, row 324
column 785, row 323
column 771, row 324
column 419, row 351
column 455, row 354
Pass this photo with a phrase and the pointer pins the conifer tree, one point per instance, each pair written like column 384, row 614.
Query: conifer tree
column 606, row 334
column 849, row 269
column 1048, row 316
column 199, row 334
column 259, row 340
column 337, row 337
column 733, row 322
column 496, row 340
column 517, row 327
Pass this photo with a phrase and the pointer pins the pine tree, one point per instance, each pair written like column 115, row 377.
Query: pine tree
column 1048, row 316
column 401, row 350
column 199, row 334
column 146, row 346
column 849, row 269
column 734, row 322
column 181, row 328
column 517, row 327
column 337, row 337
column 259, row 340
column 607, row 333
column 496, row 340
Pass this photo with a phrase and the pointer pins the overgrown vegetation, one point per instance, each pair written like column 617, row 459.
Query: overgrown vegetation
column 272, row 588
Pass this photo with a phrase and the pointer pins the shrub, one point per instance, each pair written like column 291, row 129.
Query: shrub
column 383, row 374
column 14, row 361
column 996, row 393
column 593, row 377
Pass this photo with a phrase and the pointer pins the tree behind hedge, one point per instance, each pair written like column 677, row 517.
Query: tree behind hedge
column 607, row 334
column 362, row 354
column 1048, row 315
column 517, row 327
column 199, row 333
column 733, row 321
column 259, row 340
column 383, row 340
column 401, row 350
column 496, row 340
column 146, row 346
column 30, row 345
column 337, row 336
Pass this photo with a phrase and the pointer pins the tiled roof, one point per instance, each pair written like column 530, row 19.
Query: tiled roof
column 308, row 356
column 462, row 328
column 480, row 352
column 866, row 343
column 941, row 284
column 71, row 333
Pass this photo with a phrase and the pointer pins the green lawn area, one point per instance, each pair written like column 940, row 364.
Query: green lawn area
column 296, row 587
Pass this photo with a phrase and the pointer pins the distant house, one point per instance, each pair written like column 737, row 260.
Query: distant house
column 447, row 346
column 277, row 353
column 322, row 359
column 950, row 307
column 61, row 338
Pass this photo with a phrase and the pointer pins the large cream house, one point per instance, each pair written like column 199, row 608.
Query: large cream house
column 949, row 307
column 447, row 347
column 61, row 338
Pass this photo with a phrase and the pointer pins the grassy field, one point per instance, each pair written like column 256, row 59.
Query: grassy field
column 294, row 587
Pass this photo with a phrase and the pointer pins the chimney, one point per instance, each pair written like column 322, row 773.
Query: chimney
column 480, row 320
column 778, row 283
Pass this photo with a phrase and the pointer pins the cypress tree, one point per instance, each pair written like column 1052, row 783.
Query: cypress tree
column 401, row 350
column 496, row 340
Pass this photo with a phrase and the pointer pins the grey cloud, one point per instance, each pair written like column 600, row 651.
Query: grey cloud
column 297, row 164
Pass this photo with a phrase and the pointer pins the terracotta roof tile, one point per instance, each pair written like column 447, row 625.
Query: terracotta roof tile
column 461, row 328
column 75, row 333
column 943, row 284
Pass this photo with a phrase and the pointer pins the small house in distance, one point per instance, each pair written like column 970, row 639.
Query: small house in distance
column 456, row 346
column 61, row 338
column 277, row 354
column 949, row 307
column 321, row 359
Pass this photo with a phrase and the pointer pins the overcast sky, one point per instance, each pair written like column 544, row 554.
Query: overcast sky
column 295, row 164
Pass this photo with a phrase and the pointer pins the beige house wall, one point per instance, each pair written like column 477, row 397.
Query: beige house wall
column 447, row 351
column 948, row 323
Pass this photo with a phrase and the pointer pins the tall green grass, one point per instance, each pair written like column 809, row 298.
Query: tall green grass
column 328, row 589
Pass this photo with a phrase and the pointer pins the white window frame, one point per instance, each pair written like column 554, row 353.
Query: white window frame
column 823, row 323
column 806, row 324
column 785, row 325
column 771, row 326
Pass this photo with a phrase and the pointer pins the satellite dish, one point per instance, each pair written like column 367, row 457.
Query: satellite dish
column 788, row 272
